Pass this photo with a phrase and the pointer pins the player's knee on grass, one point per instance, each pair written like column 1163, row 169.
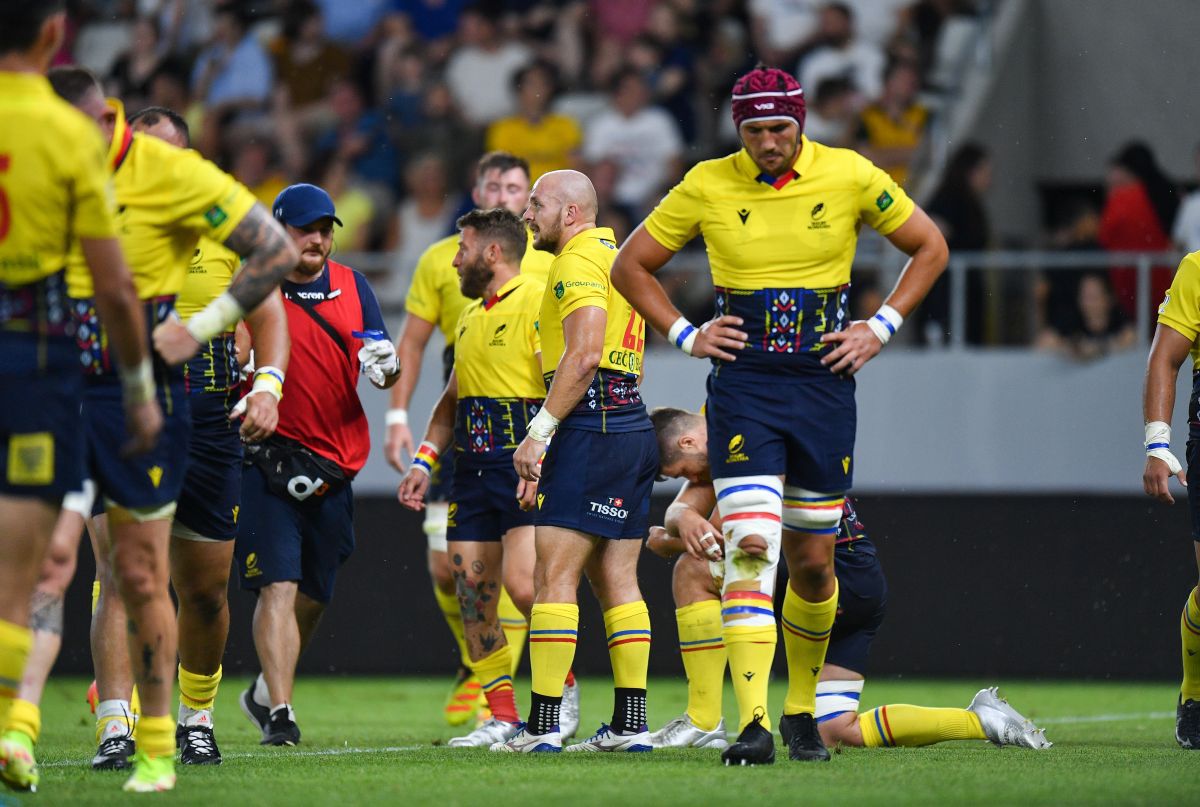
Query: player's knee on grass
column 842, row 729
column 692, row 582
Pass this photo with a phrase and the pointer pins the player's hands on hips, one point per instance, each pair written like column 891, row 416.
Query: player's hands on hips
column 663, row 544
column 527, row 495
column 701, row 539
column 717, row 337
column 262, row 416
column 855, row 346
column 398, row 445
column 412, row 490
column 174, row 342
column 143, row 421
column 1156, row 480
column 528, row 459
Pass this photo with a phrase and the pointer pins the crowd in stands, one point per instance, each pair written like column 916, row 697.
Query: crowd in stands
column 388, row 103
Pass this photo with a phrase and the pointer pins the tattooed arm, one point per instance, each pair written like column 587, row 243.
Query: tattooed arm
column 268, row 255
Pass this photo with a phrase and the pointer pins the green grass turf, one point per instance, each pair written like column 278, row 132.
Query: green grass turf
column 376, row 741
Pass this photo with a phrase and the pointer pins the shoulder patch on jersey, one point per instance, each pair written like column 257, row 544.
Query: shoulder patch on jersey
column 559, row 290
column 884, row 201
column 216, row 216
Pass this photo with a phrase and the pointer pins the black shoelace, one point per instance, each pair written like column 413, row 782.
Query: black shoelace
column 200, row 740
column 115, row 745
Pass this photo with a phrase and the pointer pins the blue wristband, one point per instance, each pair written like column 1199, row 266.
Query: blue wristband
column 683, row 335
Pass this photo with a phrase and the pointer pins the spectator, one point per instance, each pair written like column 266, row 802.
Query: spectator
column 670, row 66
column 831, row 117
column 548, row 141
column 638, row 143
column 307, row 64
column 1058, row 289
column 838, row 53
column 1098, row 325
column 426, row 215
column 1138, row 214
column 890, row 129
column 481, row 71
column 253, row 163
column 781, row 28
column 432, row 19
column 134, row 70
column 878, row 21
column 351, row 22
column 957, row 208
column 442, row 131
column 1186, row 232
column 402, row 83
column 359, row 137
column 234, row 71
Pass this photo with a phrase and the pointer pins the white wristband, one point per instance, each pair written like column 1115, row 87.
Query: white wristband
column 1158, row 445
column 216, row 318
column 543, row 425
column 885, row 323
column 137, row 383
column 683, row 334
column 396, row 417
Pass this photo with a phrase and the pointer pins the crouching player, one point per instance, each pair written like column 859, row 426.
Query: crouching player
column 493, row 392
column 862, row 600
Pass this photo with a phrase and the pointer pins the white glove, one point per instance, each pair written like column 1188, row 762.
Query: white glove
column 379, row 361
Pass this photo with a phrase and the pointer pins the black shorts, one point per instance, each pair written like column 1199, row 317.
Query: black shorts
column 862, row 603
column 148, row 480
column 212, row 488
column 485, row 505
column 41, row 434
column 598, row 483
column 280, row 540
column 798, row 426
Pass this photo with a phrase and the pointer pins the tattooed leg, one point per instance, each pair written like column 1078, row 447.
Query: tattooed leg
column 476, row 568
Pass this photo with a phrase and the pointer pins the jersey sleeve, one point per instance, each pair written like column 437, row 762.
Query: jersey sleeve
column 882, row 203
column 676, row 219
column 1180, row 309
column 372, row 316
column 579, row 282
column 423, row 299
column 208, row 201
column 93, row 198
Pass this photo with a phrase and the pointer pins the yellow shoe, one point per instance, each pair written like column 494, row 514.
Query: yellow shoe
column 463, row 702
column 151, row 774
column 18, row 768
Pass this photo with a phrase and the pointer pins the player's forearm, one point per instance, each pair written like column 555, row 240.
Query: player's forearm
column 268, row 256
column 1158, row 398
column 410, row 360
column 117, row 301
column 925, row 245
column 268, row 328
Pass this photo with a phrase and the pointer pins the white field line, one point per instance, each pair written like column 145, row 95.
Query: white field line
column 393, row 749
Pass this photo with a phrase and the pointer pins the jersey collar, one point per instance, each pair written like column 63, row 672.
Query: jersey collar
column 505, row 290
column 802, row 164
column 122, row 138
column 600, row 233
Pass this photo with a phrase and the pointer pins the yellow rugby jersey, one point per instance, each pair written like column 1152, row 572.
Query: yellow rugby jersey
column 53, row 181
column 802, row 235
column 881, row 131
column 210, row 272
column 1180, row 309
column 435, row 295
column 166, row 199
column 500, row 385
column 547, row 145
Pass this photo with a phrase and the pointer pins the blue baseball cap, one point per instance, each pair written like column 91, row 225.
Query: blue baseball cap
column 301, row 205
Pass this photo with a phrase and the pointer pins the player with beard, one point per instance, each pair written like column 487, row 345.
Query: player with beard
column 494, row 391
column 296, row 526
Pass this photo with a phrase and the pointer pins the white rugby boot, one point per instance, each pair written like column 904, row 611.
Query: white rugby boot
column 1003, row 724
column 485, row 736
column 605, row 739
column 683, row 733
column 525, row 743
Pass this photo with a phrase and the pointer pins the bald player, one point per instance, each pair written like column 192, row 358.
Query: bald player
column 593, row 500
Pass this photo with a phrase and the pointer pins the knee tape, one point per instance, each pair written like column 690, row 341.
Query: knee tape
column 437, row 517
column 750, row 505
column 812, row 512
column 837, row 697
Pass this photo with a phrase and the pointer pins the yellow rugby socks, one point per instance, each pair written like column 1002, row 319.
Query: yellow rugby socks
column 155, row 736
column 15, row 643
column 899, row 724
column 806, row 628
column 494, row 674
column 516, row 628
column 26, row 718
column 1189, row 630
column 702, row 647
column 198, row 692
column 553, row 631
column 628, row 630
column 448, row 604
column 751, row 650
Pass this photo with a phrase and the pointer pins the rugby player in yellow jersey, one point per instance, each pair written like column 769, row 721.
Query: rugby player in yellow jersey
column 696, row 585
column 52, row 199
column 494, row 391
column 1178, row 334
column 593, row 501
column 435, row 301
column 780, row 221
column 167, row 199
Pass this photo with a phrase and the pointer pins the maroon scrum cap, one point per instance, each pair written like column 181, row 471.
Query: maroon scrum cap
column 768, row 93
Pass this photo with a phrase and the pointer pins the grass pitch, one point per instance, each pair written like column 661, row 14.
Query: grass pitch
column 380, row 741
